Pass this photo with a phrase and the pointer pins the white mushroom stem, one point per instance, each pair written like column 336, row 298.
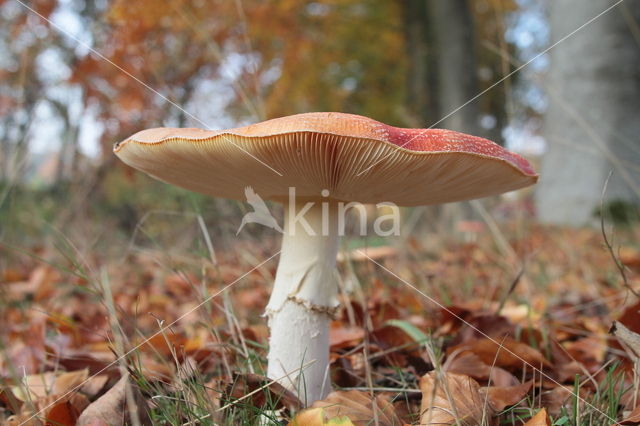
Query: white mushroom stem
column 304, row 299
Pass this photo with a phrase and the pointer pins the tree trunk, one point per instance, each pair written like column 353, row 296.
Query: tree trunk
column 421, row 84
column 457, row 81
column 591, row 124
column 439, row 37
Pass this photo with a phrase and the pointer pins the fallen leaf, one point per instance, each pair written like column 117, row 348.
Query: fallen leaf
column 633, row 418
column 557, row 399
column 94, row 384
column 540, row 419
column 68, row 381
column 153, row 370
column 629, row 339
column 348, row 408
column 309, row 417
column 471, row 365
column 342, row 336
column 96, row 361
column 453, row 398
column 566, row 373
column 506, row 353
column 589, row 350
column 501, row 397
column 631, row 317
column 34, row 386
column 66, row 411
column 267, row 392
column 50, row 410
column 11, row 275
column 164, row 344
column 111, row 408
column 481, row 325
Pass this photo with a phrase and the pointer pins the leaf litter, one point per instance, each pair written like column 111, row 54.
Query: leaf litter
column 396, row 357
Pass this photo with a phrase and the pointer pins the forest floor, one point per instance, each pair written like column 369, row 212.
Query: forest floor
column 494, row 331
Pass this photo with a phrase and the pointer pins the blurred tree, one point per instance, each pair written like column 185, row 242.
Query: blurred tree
column 406, row 63
column 331, row 55
column 445, row 73
column 155, row 59
column 493, row 51
column 422, row 103
column 22, row 81
column 456, row 64
column 591, row 124
column 454, row 50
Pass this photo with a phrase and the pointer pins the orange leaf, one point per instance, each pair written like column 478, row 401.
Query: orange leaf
column 540, row 419
column 501, row 397
column 506, row 353
column 65, row 382
column 62, row 413
column 452, row 398
column 348, row 407
column 471, row 365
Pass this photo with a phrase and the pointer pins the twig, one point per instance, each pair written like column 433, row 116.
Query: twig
column 512, row 287
column 619, row 264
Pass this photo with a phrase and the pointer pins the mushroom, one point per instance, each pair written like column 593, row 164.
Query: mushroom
column 314, row 163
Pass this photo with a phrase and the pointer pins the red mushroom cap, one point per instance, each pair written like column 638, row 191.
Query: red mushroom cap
column 353, row 157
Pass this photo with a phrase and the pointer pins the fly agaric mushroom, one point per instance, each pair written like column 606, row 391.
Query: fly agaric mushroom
column 328, row 158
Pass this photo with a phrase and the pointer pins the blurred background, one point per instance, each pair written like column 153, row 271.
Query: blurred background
column 95, row 256
column 556, row 81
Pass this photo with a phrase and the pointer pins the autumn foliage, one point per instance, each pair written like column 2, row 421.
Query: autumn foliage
column 72, row 348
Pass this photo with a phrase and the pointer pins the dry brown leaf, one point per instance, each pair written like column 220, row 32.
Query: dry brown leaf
column 153, row 370
column 501, row 397
column 556, row 399
column 34, row 386
column 37, row 386
column 66, row 411
column 244, row 384
column 540, row 419
column 629, row 339
column 164, row 344
column 506, row 353
column 631, row 317
column 111, row 408
column 471, row 365
column 96, row 360
column 51, row 410
column 348, row 407
column 588, row 350
column 341, row 336
column 566, row 372
column 633, row 418
column 94, row 384
column 65, row 382
column 453, row 398
column 108, row 408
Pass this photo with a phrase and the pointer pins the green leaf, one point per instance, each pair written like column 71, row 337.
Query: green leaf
column 412, row 331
